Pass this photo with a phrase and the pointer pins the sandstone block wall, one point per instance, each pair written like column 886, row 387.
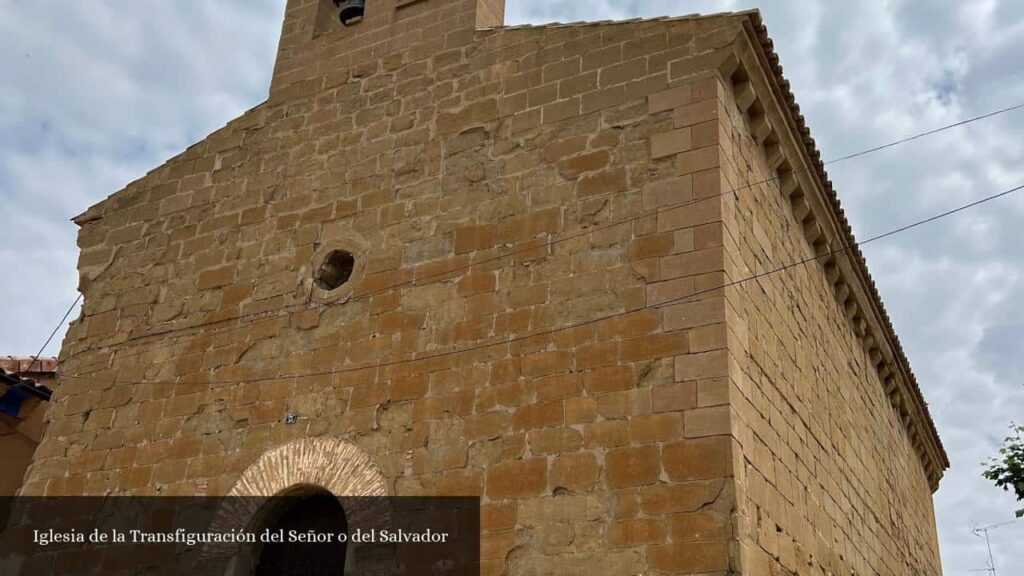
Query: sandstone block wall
column 830, row 480
column 446, row 161
column 540, row 223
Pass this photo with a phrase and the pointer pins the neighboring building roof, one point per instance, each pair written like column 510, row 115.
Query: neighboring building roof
column 17, row 377
column 28, row 364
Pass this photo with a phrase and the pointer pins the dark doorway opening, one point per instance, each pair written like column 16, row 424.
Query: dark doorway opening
column 320, row 513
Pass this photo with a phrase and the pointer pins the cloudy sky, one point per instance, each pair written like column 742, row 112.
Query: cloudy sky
column 94, row 94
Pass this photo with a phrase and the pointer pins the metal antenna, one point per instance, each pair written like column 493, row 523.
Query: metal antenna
column 979, row 531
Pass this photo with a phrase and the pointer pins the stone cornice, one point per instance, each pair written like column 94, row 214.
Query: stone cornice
column 764, row 97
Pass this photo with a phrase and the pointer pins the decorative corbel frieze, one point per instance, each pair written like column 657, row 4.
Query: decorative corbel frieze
column 761, row 126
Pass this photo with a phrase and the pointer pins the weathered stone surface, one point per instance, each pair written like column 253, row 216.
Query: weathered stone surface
column 519, row 204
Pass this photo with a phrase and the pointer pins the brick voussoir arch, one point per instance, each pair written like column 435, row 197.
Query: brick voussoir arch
column 303, row 466
column 332, row 464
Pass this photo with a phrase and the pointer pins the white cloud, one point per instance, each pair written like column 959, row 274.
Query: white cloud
column 96, row 93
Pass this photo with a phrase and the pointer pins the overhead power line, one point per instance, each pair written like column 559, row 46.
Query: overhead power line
column 549, row 332
column 923, row 134
column 256, row 317
column 54, row 333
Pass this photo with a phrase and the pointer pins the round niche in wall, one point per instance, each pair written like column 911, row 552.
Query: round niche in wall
column 335, row 270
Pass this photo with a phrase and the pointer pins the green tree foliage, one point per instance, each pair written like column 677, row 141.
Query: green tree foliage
column 1007, row 471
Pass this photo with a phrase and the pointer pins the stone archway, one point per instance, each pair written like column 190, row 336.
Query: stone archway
column 333, row 464
column 299, row 467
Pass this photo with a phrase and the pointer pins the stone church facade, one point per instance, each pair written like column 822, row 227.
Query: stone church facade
column 449, row 257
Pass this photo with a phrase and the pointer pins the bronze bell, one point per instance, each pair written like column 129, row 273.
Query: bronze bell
column 350, row 10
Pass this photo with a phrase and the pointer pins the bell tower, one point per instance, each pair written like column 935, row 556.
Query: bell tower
column 317, row 43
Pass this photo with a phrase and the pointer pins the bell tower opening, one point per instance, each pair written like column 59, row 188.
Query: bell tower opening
column 350, row 11
column 322, row 38
column 318, row 512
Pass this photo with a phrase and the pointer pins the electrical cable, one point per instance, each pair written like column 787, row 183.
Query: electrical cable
column 54, row 333
column 262, row 316
column 549, row 332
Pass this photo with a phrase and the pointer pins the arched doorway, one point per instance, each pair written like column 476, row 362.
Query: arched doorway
column 319, row 513
column 301, row 468
column 336, row 465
